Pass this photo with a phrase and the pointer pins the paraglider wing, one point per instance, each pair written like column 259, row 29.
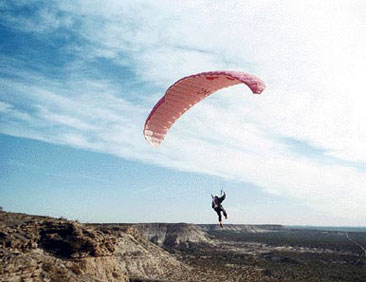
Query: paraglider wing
column 188, row 91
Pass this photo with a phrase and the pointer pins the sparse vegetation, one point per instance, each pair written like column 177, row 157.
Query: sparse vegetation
column 287, row 255
column 44, row 247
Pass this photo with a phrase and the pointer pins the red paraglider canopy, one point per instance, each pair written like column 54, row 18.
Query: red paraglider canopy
column 188, row 91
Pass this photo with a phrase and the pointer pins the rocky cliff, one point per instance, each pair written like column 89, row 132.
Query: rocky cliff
column 141, row 258
column 36, row 248
column 173, row 234
column 165, row 234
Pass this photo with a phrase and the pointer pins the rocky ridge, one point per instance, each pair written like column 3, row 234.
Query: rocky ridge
column 142, row 258
column 46, row 249
column 38, row 248
column 173, row 234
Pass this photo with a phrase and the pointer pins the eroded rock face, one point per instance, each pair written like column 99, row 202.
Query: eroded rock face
column 141, row 258
column 36, row 248
column 172, row 235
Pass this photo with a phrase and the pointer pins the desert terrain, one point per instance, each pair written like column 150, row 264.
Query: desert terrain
column 38, row 248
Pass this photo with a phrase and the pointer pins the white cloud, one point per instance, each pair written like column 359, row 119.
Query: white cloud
column 310, row 54
column 4, row 107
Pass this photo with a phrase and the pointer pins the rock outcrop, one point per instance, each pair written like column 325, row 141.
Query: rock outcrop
column 142, row 258
column 36, row 248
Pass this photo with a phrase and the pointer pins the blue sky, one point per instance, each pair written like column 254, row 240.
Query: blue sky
column 77, row 81
column 41, row 178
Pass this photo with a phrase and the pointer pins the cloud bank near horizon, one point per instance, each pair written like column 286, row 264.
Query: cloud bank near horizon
column 89, row 73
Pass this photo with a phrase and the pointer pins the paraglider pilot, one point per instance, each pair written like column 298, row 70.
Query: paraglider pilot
column 216, row 205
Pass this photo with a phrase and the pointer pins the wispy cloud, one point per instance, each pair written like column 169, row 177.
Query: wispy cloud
column 302, row 138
